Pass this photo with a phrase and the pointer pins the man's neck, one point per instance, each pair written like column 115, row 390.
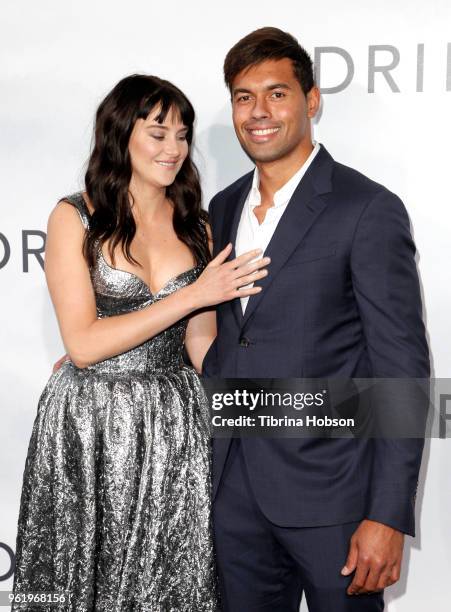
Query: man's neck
column 274, row 175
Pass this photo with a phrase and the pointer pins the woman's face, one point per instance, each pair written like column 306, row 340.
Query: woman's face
column 158, row 150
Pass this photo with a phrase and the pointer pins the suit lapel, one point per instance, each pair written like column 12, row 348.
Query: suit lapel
column 229, row 232
column 302, row 211
column 232, row 215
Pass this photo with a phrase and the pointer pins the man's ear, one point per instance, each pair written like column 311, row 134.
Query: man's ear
column 313, row 101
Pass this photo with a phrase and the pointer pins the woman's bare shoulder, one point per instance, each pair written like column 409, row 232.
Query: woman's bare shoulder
column 67, row 212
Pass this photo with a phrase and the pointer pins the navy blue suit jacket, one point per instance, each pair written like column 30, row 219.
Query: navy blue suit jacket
column 341, row 299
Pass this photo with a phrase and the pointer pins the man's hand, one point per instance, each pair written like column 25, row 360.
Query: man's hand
column 375, row 553
column 60, row 362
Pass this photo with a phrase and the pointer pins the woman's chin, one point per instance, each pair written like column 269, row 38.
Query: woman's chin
column 160, row 182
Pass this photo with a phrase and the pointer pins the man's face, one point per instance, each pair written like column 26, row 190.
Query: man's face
column 271, row 114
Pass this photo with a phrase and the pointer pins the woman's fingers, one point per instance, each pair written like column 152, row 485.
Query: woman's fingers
column 243, row 259
column 251, row 267
column 221, row 256
column 247, row 279
column 239, row 263
column 60, row 362
column 223, row 280
column 248, row 291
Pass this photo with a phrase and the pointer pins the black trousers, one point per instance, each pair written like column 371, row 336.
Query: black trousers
column 266, row 568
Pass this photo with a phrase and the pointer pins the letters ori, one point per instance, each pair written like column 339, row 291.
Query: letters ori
column 377, row 65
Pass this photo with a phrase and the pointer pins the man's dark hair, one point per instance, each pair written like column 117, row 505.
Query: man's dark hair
column 269, row 44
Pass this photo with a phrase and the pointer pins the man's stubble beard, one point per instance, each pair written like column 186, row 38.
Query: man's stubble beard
column 270, row 156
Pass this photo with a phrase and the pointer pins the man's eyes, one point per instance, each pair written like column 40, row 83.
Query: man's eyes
column 275, row 94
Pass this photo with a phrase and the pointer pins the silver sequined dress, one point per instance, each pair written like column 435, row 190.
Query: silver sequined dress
column 115, row 507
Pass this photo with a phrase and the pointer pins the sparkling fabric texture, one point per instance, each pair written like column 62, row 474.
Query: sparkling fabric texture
column 115, row 507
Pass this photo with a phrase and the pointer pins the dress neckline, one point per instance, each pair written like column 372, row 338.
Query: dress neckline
column 152, row 294
column 141, row 280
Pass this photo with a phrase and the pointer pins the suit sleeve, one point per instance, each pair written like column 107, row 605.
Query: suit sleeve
column 210, row 368
column 387, row 291
column 214, row 222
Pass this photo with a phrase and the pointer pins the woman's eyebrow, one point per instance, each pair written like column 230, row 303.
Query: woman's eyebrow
column 165, row 127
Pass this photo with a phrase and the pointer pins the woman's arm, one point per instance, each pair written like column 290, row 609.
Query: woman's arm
column 87, row 339
column 200, row 333
column 201, row 329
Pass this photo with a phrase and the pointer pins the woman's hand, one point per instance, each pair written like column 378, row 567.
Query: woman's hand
column 222, row 281
column 60, row 362
column 89, row 339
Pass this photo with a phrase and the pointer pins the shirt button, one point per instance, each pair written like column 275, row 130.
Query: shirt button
column 243, row 341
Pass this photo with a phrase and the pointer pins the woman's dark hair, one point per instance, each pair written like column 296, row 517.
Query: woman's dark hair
column 269, row 44
column 109, row 169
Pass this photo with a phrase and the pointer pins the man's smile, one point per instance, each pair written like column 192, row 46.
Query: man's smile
column 262, row 134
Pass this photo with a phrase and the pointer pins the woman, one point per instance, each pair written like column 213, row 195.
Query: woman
column 115, row 506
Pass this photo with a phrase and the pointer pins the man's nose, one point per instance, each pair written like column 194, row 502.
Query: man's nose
column 260, row 109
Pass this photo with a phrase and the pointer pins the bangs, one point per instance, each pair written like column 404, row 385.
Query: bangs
column 167, row 100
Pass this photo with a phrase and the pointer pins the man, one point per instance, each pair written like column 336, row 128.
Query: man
column 341, row 299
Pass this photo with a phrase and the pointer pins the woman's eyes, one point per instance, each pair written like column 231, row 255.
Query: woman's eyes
column 161, row 137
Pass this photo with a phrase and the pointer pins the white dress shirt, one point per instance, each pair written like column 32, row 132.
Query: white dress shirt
column 250, row 234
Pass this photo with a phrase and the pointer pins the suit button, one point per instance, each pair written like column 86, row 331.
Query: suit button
column 244, row 341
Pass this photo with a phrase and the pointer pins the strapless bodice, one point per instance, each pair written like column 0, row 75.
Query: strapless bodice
column 118, row 292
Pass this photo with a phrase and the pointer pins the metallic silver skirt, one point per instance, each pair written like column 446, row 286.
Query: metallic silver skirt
column 115, row 508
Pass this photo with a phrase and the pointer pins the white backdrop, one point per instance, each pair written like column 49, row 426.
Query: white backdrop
column 60, row 58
